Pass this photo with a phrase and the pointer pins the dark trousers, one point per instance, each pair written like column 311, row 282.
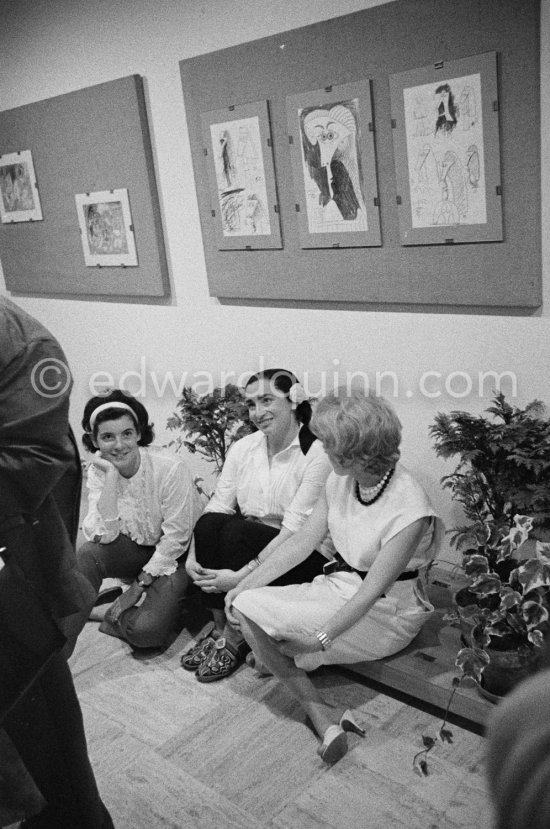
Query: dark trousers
column 47, row 730
column 228, row 541
column 152, row 623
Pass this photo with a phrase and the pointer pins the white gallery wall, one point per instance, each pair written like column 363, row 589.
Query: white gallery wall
column 424, row 362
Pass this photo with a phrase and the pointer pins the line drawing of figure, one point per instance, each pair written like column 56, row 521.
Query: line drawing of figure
column 253, row 212
column 453, row 207
column 226, row 159
column 421, row 120
column 473, row 165
column 240, row 177
column 426, row 166
column 446, row 108
column 468, row 108
column 247, row 159
column 331, row 156
column 446, row 172
column 426, row 189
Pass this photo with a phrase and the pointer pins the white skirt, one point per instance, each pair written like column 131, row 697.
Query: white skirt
column 303, row 609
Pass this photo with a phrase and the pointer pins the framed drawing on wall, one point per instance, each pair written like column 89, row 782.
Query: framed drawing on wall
column 445, row 121
column 331, row 139
column 19, row 199
column 239, row 157
column 106, row 228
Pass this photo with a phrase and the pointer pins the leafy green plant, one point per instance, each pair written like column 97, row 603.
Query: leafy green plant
column 210, row 423
column 506, row 603
column 503, row 471
column 507, row 608
column 502, row 481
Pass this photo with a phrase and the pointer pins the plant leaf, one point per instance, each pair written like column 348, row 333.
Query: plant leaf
column 472, row 662
column 484, row 585
column 445, row 735
column 475, row 565
column 536, row 637
column 543, row 552
column 534, row 614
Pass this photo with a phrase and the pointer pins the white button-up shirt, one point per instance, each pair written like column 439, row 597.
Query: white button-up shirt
column 280, row 493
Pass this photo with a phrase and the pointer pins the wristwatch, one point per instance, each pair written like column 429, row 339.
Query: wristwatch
column 145, row 579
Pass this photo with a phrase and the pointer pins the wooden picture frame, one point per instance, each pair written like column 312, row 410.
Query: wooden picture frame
column 239, row 158
column 106, row 229
column 19, row 197
column 445, row 126
column 331, row 138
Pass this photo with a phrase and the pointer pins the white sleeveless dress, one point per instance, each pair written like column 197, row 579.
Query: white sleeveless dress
column 359, row 534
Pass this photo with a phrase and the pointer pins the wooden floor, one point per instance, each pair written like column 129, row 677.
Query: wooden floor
column 237, row 754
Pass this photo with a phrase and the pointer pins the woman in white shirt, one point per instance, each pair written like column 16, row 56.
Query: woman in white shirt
column 142, row 507
column 267, row 488
column 370, row 601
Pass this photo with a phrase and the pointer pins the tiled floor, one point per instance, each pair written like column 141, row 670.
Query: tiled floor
column 170, row 752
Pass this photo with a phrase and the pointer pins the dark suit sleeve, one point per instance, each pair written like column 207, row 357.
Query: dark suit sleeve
column 35, row 448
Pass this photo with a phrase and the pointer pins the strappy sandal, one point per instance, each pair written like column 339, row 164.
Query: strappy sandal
column 193, row 658
column 223, row 660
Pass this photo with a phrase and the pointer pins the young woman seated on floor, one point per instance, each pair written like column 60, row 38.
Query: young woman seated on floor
column 370, row 602
column 142, row 507
column 267, row 488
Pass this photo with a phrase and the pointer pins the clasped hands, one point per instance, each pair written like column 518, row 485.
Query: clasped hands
column 212, row 581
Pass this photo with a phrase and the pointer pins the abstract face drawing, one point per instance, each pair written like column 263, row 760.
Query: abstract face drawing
column 331, row 155
column 330, row 130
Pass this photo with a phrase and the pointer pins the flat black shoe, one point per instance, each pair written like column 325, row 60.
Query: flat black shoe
column 108, row 595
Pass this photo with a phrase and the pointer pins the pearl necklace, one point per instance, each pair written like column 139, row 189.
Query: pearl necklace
column 368, row 495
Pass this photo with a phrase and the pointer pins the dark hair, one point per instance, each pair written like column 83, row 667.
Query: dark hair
column 283, row 380
column 141, row 417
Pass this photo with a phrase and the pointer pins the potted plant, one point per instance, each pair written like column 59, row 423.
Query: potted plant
column 209, row 424
column 502, row 482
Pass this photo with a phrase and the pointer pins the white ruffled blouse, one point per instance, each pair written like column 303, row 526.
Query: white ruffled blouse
column 158, row 506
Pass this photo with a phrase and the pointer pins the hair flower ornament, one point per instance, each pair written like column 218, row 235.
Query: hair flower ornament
column 297, row 394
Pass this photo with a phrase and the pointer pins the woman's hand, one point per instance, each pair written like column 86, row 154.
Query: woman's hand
column 128, row 599
column 217, row 581
column 194, row 569
column 103, row 464
column 229, row 613
column 302, row 644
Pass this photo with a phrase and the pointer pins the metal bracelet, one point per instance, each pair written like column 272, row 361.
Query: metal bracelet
column 324, row 640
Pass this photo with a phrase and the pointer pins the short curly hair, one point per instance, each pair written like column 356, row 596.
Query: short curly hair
column 355, row 426
column 141, row 417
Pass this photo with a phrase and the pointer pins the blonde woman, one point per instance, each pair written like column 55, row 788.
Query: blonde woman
column 369, row 603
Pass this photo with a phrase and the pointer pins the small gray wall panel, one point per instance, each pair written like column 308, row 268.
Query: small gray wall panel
column 90, row 140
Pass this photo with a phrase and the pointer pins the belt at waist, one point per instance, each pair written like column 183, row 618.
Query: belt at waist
column 337, row 564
